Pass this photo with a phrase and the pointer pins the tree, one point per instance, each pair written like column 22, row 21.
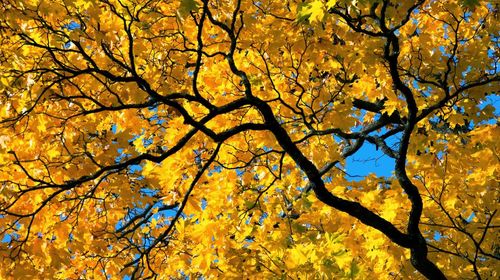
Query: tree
column 199, row 138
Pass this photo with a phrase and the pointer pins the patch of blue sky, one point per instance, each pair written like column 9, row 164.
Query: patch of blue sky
column 72, row 25
column 215, row 169
column 366, row 161
column 437, row 235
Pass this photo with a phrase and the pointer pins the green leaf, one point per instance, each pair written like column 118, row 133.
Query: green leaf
column 314, row 11
column 301, row 16
column 187, row 6
column 471, row 4
column 354, row 270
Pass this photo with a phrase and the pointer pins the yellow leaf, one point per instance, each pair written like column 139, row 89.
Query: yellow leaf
column 331, row 3
column 315, row 11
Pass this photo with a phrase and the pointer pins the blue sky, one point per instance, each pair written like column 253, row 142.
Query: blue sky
column 369, row 160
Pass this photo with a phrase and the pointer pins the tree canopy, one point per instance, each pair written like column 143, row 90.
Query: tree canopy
column 210, row 139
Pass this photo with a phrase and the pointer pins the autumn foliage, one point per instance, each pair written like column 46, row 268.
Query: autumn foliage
column 206, row 139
